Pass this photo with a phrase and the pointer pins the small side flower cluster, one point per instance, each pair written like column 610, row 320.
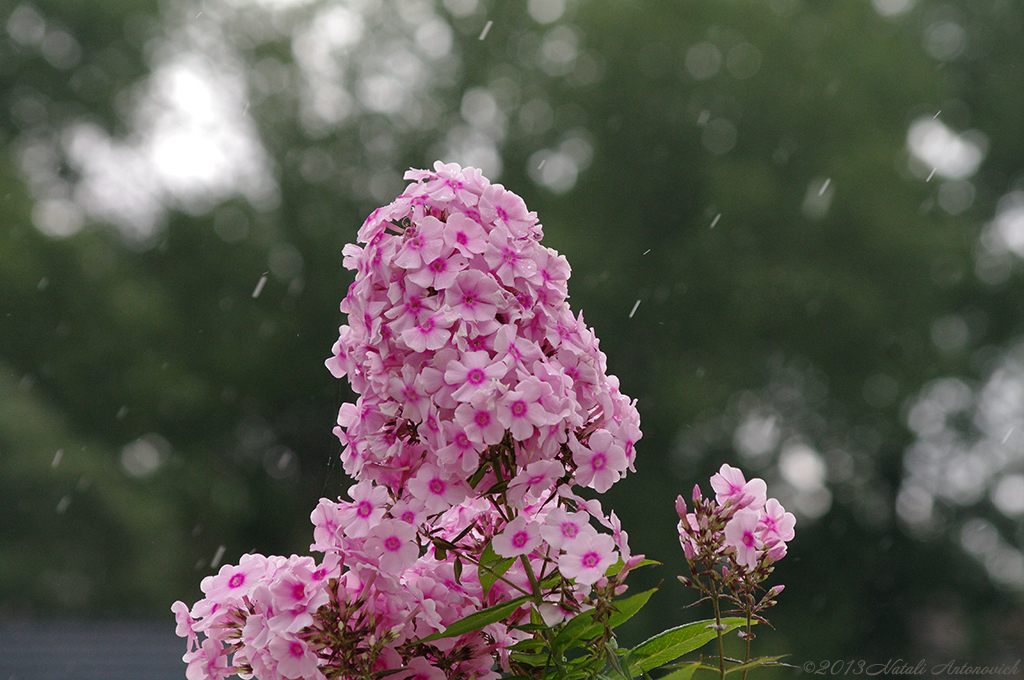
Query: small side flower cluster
column 732, row 542
column 482, row 402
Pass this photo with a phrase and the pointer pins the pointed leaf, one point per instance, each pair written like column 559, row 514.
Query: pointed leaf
column 686, row 671
column 754, row 663
column 674, row 642
column 478, row 620
column 492, row 567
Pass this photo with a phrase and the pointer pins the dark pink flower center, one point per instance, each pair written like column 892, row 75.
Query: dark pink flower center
column 476, row 376
column 364, row 508
column 520, row 539
column 436, row 486
column 519, row 408
column 591, row 560
column 392, row 543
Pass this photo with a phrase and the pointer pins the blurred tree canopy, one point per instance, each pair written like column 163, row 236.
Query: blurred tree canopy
column 796, row 225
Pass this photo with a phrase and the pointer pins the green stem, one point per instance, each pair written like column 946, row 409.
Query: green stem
column 534, row 583
column 746, row 656
column 718, row 631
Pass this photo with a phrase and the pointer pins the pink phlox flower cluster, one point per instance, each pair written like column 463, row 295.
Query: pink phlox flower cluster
column 459, row 335
column 741, row 525
column 482, row 400
column 255, row 612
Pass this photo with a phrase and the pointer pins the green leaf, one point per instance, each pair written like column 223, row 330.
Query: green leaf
column 686, row 671
column 626, row 608
column 754, row 663
column 583, row 627
column 674, row 642
column 492, row 568
column 478, row 620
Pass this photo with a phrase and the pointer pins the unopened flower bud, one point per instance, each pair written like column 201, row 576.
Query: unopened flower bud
column 680, row 507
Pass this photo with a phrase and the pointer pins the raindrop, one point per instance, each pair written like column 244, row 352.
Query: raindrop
column 57, row 457
column 715, row 221
column 259, row 286
column 818, row 198
column 633, row 311
column 487, row 28
column 62, row 506
column 218, row 556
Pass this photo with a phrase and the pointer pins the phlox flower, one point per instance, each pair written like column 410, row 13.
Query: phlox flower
column 600, row 462
column 420, row 669
column 473, row 296
column 505, row 260
column 519, row 537
column 409, row 510
column 506, row 209
column 295, row 658
column 775, row 523
column 368, row 506
column 465, row 235
column 429, row 334
column 741, row 534
column 393, row 544
column 562, row 527
column 474, row 371
column 460, row 453
column 521, row 410
column 233, row 582
column 207, row 662
column 732, row 488
column 535, row 479
column 441, row 272
column 479, row 418
column 326, row 519
column 184, row 624
column 436, row 491
column 587, row 558
column 407, row 389
column 421, row 244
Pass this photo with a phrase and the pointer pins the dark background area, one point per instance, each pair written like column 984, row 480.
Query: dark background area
column 796, row 225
